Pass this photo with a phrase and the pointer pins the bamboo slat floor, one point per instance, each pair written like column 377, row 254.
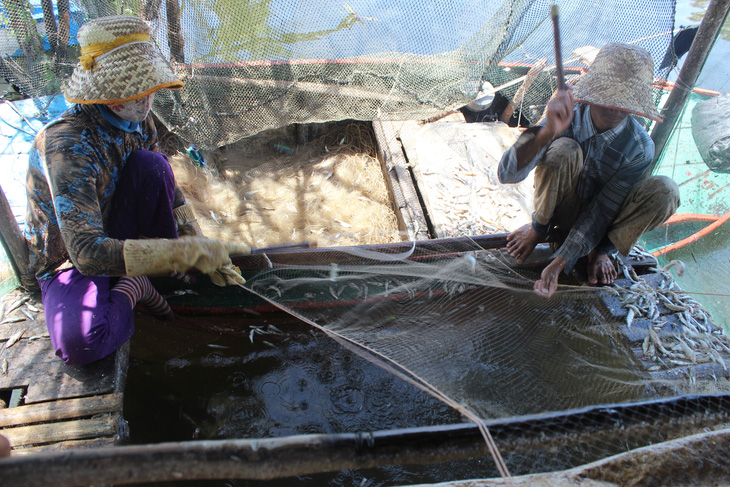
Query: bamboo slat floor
column 46, row 404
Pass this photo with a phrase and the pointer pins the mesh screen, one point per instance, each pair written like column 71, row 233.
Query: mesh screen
column 464, row 324
column 258, row 65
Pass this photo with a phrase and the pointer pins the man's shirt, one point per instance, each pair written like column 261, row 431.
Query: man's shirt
column 613, row 162
column 82, row 155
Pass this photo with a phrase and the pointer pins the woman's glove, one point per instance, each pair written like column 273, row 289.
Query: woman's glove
column 156, row 257
column 227, row 275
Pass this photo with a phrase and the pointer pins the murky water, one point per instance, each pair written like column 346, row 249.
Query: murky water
column 270, row 376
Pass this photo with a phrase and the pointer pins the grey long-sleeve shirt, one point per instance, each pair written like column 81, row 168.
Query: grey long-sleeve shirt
column 613, row 161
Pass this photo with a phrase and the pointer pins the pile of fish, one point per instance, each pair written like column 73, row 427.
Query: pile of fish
column 697, row 340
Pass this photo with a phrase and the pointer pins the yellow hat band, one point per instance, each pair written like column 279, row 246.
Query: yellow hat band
column 91, row 51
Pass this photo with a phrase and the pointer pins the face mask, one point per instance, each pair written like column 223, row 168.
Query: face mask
column 133, row 111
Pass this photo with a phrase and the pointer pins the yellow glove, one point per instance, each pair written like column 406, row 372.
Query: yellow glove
column 156, row 257
column 227, row 275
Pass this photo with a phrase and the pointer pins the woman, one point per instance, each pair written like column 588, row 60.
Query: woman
column 103, row 207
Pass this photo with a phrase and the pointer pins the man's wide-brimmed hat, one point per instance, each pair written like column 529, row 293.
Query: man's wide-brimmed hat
column 621, row 77
column 118, row 63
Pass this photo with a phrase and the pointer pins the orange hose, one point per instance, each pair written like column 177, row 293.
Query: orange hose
column 696, row 236
column 689, row 217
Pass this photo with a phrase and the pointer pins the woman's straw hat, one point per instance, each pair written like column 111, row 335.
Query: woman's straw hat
column 118, row 63
column 621, row 77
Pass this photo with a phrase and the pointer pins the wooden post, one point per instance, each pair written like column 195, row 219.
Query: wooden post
column 49, row 21
column 696, row 57
column 15, row 244
column 174, row 31
column 64, row 31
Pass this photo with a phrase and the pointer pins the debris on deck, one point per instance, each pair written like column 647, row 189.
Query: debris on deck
column 45, row 404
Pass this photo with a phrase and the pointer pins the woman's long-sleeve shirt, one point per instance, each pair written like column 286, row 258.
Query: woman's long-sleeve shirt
column 81, row 155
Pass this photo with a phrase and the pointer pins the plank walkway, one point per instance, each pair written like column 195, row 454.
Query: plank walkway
column 45, row 404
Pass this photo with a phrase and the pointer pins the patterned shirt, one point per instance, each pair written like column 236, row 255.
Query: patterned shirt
column 82, row 154
column 613, row 162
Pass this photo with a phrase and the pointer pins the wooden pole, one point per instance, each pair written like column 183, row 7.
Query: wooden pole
column 558, row 51
column 15, row 244
column 709, row 29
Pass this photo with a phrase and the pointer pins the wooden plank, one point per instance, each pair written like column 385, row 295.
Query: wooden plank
column 391, row 151
column 33, row 364
column 104, row 442
column 80, row 429
column 391, row 180
column 60, row 410
column 407, row 132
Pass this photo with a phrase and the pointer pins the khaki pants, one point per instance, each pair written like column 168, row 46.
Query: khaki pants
column 649, row 204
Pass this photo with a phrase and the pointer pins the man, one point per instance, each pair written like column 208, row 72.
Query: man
column 103, row 207
column 589, row 155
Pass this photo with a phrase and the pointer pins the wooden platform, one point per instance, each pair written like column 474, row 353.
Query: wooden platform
column 45, row 404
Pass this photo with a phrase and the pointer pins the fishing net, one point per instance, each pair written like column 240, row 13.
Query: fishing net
column 464, row 324
column 459, row 321
column 252, row 66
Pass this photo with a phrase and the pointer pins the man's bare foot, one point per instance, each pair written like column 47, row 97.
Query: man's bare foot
column 522, row 242
column 600, row 269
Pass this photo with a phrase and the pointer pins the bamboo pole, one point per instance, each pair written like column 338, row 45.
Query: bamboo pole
column 558, row 51
column 704, row 40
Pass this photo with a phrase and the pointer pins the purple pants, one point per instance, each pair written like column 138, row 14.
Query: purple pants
column 86, row 321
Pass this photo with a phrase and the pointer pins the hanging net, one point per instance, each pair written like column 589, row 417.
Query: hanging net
column 252, row 66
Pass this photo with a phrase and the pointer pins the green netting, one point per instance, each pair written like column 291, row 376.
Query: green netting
column 249, row 66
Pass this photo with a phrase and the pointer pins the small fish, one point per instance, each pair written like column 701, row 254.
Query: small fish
column 18, row 304
column 30, row 316
column 14, row 339
column 32, row 308
column 13, row 320
column 4, row 367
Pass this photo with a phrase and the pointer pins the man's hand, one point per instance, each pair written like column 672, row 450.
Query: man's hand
column 558, row 116
column 548, row 282
column 559, row 113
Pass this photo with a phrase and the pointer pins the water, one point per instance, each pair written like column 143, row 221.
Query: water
column 715, row 74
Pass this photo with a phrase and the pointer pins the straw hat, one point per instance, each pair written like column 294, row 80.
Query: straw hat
column 621, row 77
column 118, row 63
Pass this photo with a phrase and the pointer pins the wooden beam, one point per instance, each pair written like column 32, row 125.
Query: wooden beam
column 60, row 410
column 80, row 429
column 704, row 40
column 390, row 149
column 15, row 244
column 174, row 31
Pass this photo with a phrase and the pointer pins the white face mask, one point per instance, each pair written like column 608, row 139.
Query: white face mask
column 133, row 111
